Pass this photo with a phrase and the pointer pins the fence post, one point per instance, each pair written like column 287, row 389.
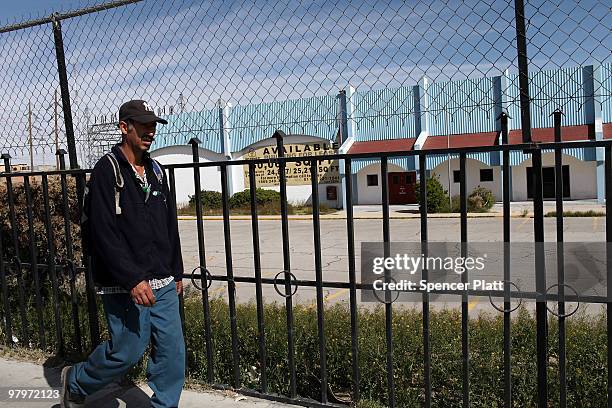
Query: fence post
column 280, row 152
column 64, row 90
column 540, row 278
column 505, row 163
column 504, row 120
column 17, row 259
column 69, row 263
column 560, row 259
column 194, row 142
column 8, row 325
column 521, row 48
column 62, row 160
column 7, row 162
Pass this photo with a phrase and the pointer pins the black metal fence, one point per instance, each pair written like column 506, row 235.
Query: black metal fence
column 33, row 259
column 102, row 53
column 65, row 75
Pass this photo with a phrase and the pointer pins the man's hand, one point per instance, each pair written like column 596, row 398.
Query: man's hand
column 142, row 294
column 179, row 287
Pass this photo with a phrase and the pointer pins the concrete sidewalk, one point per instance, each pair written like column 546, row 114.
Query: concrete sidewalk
column 25, row 376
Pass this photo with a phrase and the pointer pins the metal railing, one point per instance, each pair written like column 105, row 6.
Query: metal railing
column 33, row 257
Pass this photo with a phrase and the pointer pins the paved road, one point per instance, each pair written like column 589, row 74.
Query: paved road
column 334, row 247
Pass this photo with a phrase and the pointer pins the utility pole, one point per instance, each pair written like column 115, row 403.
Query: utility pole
column 30, row 135
column 181, row 102
column 57, row 163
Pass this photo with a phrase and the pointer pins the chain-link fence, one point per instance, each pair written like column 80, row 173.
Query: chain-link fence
column 440, row 66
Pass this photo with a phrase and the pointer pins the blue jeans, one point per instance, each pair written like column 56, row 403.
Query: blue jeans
column 131, row 327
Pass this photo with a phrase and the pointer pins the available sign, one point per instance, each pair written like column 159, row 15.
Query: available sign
column 297, row 173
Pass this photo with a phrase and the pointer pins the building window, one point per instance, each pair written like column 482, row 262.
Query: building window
column 486, row 174
column 456, row 176
column 372, row 180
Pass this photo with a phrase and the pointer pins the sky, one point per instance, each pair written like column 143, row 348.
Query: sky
column 13, row 11
column 249, row 52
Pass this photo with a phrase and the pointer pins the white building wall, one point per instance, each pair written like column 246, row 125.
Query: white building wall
column 472, row 168
column 583, row 179
column 210, row 177
column 372, row 194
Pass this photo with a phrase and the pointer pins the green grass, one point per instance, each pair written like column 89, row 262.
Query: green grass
column 589, row 213
column 586, row 351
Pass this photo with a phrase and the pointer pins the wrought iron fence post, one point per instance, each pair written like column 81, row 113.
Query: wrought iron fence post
column 69, row 264
column 8, row 329
column 25, row 332
column 92, row 306
column 61, row 153
column 280, row 151
column 194, row 142
column 557, row 114
column 503, row 119
column 7, row 162
column 540, row 278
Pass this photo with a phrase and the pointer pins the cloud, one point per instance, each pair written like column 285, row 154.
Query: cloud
column 250, row 52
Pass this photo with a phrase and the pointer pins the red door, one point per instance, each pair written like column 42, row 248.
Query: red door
column 402, row 187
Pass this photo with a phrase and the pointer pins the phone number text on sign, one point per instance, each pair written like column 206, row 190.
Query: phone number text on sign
column 296, row 173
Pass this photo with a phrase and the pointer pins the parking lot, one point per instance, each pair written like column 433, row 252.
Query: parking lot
column 334, row 247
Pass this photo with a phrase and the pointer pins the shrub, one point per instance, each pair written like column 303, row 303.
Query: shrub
column 480, row 200
column 209, row 199
column 437, row 197
column 263, row 196
column 40, row 239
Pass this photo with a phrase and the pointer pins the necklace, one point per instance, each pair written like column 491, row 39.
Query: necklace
column 142, row 179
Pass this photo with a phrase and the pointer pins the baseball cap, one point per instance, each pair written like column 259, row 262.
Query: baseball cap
column 139, row 111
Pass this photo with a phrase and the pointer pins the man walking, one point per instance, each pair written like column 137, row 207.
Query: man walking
column 137, row 266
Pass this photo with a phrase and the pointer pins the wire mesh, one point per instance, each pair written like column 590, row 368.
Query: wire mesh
column 441, row 67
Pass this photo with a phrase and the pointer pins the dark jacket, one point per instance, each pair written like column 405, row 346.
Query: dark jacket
column 143, row 241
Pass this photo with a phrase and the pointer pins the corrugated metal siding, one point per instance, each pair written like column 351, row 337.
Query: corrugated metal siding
column 183, row 126
column 606, row 93
column 384, row 114
column 513, row 101
column 390, row 113
column 466, row 106
column 316, row 116
column 585, row 154
column 549, row 90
